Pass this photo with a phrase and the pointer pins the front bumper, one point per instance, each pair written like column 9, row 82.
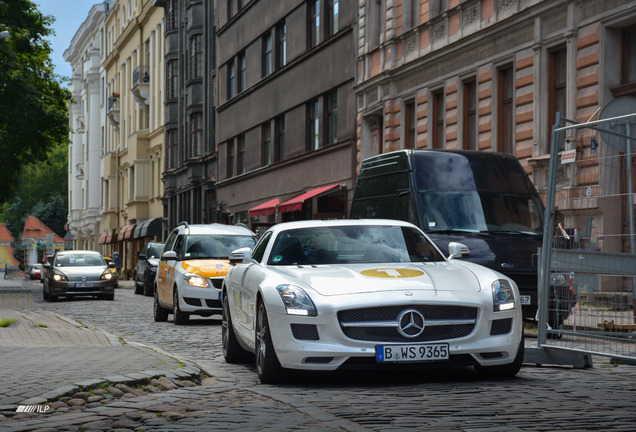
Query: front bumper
column 72, row 288
column 201, row 301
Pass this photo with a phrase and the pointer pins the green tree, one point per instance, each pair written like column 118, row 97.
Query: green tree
column 33, row 103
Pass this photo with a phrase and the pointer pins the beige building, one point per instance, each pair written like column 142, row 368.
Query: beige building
column 132, row 150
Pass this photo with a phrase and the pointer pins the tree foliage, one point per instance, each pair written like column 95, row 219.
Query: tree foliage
column 33, row 103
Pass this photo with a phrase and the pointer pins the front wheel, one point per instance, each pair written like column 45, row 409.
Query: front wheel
column 148, row 285
column 139, row 287
column 161, row 314
column 180, row 317
column 268, row 367
column 232, row 351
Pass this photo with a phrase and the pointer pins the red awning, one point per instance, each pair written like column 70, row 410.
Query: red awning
column 109, row 238
column 126, row 232
column 296, row 203
column 266, row 208
column 102, row 238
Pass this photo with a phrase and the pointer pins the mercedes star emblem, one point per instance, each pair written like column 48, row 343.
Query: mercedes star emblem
column 410, row 323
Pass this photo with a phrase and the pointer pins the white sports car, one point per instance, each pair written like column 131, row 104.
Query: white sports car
column 324, row 295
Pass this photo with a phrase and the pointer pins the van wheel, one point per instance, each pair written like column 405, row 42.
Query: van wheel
column 161, row 314
column 180, row 317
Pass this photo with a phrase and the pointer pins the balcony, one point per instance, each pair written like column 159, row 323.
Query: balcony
column 140, row 85
column 113, row 109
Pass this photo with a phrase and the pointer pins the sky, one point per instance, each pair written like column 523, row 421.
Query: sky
column 69, row 16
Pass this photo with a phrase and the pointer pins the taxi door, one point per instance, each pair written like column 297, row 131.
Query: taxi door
column 165, row 271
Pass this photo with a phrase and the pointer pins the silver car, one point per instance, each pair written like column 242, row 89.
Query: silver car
column 78, row 273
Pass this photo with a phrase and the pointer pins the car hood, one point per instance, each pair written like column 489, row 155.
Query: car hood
column 366, row 278
column 207, row 267
column 82, row 270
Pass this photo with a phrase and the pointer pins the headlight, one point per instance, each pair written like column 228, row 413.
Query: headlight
column 503, row 296
column 296, row 300
column 58, row 277
column 107, row 275
column 195, row 280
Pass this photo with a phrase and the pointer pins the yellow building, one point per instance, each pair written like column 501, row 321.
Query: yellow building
column 133, row 77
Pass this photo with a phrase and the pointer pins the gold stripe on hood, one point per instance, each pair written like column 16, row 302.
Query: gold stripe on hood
column 207, row 268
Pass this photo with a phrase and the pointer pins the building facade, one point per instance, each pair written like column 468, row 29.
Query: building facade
column 190, row 164
column 86, row 121
column 489, row 75
column 286, row 129
column 132, row 85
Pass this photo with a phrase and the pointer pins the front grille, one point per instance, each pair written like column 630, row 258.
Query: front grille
column 501, row 327
column 217, row 283
column 305, row 331
column 442, row 322
column 192, row 301
column 320, row 360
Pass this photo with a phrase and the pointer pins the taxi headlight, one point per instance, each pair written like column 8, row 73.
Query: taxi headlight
column 196, row 281
column 503, row 296
column 296, row 300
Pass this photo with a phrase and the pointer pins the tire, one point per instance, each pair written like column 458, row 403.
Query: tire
column 45, row 295
column 160, row 314
column 110, row 297
column 232, row 351
column 268, row 367
column 505, row 371
column 148, row 285
column 138, row 289
column 180, row 317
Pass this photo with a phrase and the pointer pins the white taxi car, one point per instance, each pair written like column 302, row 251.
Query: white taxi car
column 193, row 264
column 324, row 295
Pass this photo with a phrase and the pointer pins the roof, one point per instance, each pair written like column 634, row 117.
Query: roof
column 5, row 234
column 34, row 228
column 215, row 229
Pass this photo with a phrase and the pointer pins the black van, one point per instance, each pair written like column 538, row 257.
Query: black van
column 483, row 200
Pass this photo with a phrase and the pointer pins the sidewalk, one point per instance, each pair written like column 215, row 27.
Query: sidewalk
column 45, row 355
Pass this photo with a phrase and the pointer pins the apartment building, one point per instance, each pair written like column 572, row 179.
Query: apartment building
column 489, row 75
column 286, row 132
column 190, row 164
column 133, row 134
column 86, row 121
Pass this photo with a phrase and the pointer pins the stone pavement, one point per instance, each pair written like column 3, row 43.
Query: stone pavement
column 43, row 354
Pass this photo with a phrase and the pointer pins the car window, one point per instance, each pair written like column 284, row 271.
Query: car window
column 178, row 245
column 78, row 260
column 351, row 245
column 215, row 246
column 170, row 241
column 259, row 249
column 154, row 250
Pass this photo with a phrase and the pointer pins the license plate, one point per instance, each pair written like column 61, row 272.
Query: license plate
column 411, row 353
column 84, row 285
column 220, row 295
column 526, row 300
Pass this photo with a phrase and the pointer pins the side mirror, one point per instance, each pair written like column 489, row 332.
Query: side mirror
column 240, row 255
column 46, row 265
column 112, row 264
column 457, row 250
column 169, row 255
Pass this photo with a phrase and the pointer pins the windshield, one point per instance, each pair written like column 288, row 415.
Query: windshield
column 355, row 244
column 479, row 211
column 154, row 251
column 215, row 246
column 78, row 260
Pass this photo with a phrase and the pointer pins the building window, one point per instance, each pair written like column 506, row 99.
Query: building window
column 281, row 45
column 279, row 138
column 242, row 72
column 230, row 159
column 628, row 56
column 409, row 125
column 438, row 120
column 196, row 57
column 470, row 115
column 437, row 7
column 557, row 78
column 504, row 110
column 331, row 118
column 171, row 149
column 231, row 9
column 196, row 124
column 313, row 23
column 375, row 21
column 171, row 79
column 332, row 16
column 410, row 16
column 267, row 55
column 240, row 160
column 266, row 144
column 231, row 79
column 171, row 15
column 312, row 128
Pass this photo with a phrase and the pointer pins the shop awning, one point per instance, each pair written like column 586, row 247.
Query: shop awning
column 148, row 228
column 109, row 238
column 102, row 238
column 296, row 203
column 126, row 232
column 266, row 208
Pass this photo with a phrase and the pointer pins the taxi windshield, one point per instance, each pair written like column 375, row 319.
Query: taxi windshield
column 215, row 246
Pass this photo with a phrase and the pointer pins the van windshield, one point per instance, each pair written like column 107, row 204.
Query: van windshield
column 479, row 211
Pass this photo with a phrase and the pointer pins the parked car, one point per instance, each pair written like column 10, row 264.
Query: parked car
column 78, row 273
column 34, row 271
column 325, row 295
column 146, row 268
column 193, row 264
column 113, row 269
